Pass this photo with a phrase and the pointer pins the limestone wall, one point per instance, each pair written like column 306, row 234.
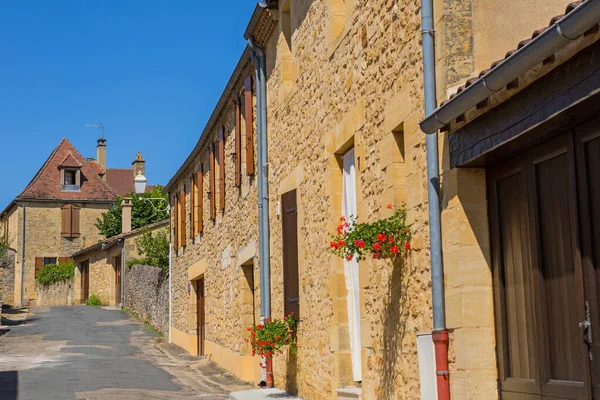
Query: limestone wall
column 147, row 295
column 7, row 275
column 57, row 294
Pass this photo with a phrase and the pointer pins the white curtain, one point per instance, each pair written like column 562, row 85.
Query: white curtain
column 351, row 267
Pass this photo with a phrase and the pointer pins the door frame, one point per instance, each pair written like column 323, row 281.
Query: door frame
column 201, row 314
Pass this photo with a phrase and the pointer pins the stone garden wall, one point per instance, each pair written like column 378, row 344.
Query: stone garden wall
column 57, row 294
column 147, row 295
column 7, row 279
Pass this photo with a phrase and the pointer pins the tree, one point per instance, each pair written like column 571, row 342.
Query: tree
column 143, row 212
column 155, row 248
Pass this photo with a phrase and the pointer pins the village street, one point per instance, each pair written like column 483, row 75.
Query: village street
column 55, row 353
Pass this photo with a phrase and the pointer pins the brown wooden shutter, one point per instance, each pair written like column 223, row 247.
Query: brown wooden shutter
column 249, row 126
column 222, row 169
column 39, row 264
column 175, row 211
column 66, row 221
column 238, row 143
column 75, row 211
column 291, row 285
column 183, row 216
column 213, row 211
column 200, row 182
column 193, row 192
column 64, row 260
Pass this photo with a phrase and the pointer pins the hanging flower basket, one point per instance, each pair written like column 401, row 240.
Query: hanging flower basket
column 384, row 238
column 271, row 337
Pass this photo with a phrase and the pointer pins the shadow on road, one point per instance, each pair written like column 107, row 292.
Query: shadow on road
column 11, row 322
column 9, row 385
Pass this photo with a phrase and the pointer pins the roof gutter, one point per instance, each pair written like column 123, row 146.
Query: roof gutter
column 565, row 30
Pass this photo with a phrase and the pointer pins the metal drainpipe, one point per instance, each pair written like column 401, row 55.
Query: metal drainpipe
column 259, row 59
column 170, row 289
column 440, row 333
column 22, row 255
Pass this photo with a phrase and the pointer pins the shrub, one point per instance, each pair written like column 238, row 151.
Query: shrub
column 53, row 273
column 269, row 338
column 137, row 261
column 155, row 248
column 94, row 301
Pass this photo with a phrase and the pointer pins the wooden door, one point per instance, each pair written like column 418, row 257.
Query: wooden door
column 538, row 275
column 118, row 280
column 85, row 280
column 201, row 316
column 291, row 286
column 587, row 156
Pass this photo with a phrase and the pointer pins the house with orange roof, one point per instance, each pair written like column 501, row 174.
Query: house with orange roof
column 55, row 215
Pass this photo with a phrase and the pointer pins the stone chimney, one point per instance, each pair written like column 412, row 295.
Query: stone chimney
column 139, row 165
column 126, row 207
column 101, row 156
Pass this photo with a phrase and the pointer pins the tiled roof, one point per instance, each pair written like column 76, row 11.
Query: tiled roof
column 522, row 43
column 96, row 167
column 114, row 240
column 70, row 162
column 46, row 183
column 121, row 180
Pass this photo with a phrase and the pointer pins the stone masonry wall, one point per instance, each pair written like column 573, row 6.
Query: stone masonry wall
column 7, row 278
column 57, row 294
column 224, row 245
column 43, row 237
column 147, row 295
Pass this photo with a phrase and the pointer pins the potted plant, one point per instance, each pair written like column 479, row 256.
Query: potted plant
column 384, row 238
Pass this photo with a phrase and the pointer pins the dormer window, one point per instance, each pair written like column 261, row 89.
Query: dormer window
column 70, row 174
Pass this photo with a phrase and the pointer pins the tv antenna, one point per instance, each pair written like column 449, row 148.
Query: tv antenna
column 98, row 125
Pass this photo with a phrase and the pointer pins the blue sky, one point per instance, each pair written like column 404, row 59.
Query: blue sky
column 151, row 71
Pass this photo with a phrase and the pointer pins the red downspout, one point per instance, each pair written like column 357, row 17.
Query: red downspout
column 440, row 341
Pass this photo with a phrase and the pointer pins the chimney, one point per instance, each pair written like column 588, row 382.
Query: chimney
column 126, row 207
column 101, row 156
column 139, row 165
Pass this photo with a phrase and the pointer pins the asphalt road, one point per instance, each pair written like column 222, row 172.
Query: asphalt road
column 91, row 353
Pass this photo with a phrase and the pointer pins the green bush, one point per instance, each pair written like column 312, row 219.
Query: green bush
column 136, row 261
column 155, row 248
column 53, row 273
column 94, row 301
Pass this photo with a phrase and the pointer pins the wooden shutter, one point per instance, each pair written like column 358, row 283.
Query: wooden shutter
column 183, row 216
column 200, row 213
column 39, row 264
column 175, row 211
column 238, row 143
column 213, row 211
column 249, row 126
column 222, row 169
column 291, row 285
column 75, row 211
column 66, row 221
column 193, row 193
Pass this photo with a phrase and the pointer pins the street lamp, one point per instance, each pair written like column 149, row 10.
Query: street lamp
column 139, row 183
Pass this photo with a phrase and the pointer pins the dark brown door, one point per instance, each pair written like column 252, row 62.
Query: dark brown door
column 291, row 287
column 118, row 280
column 587, row 154
column 85, row 280
column 538, row 275
column 200, row 305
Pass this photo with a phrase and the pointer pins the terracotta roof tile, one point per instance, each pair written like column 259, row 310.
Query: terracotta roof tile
column 70, row 162
column 522, row 43
column 46, row 183
column 121, row 180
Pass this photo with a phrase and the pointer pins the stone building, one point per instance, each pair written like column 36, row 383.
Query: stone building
column 344, row 92
column 101, row 267
column 55, row 215
column 520, row 187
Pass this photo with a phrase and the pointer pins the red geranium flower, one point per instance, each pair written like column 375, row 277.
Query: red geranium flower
column 381, row 237
column 361, row 244
column 341, row 243
column 333, row 245
column 259, row 326
column 394, row 250
column 376, row 256
column 389, row 206
column 391, row 239
column 407, row 246
column 376, row 246
column 278, row 338
column 349, row 257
